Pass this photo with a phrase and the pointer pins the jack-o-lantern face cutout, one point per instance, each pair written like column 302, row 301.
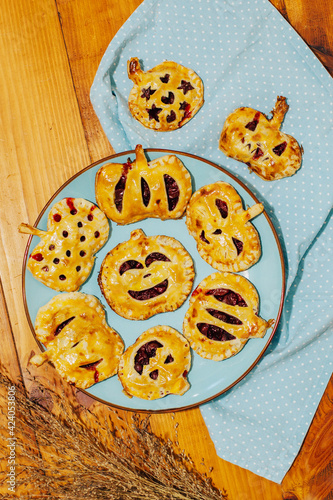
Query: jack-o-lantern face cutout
column 165, row 97
column 64, row 258
column 156, row 365
column 146, row 275
column 78, row 341
column 136, row 190
column 222, row 316
column 250, row 137
column 225, row 238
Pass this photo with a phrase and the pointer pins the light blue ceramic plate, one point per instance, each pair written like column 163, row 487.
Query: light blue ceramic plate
column 208, row 379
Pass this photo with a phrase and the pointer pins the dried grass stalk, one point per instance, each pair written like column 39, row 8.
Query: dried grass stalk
column 68, row 452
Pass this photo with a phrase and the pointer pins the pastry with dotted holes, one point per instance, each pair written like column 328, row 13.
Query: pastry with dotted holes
column 222, row 316
column 64, row 258
column 146, row 275
column 156, row 365
column 250, row 137
column 165, row 97
column 225, row 237
column 80, row 344
column 132, row 191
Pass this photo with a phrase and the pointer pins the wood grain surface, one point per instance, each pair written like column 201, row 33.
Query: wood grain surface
column 50, row 51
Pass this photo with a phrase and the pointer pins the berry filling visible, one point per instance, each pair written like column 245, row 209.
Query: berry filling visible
column 156, row 256
column 171, row 117
column 154, row 374
column 185, row 86
column 227, row 296
column 253, row 124
column 92, row 366
column 146, row 93
column 203, row 237
column 278, row 150
column 257, row 154
column 120, row 186
column 38, row 257
column 153, row 113
column 214, row 332
column 238, row 244
column 70, row 204
column 62, row 325
column 144, row 354
column 169, row 99
column 169, row 359
column 223, row 207
column 150, row 293
column 129, row 264
column 172, row 191
column 223, row 316
column 217, row 231
column 57, row 217
column 165, row 78
column 145, row 192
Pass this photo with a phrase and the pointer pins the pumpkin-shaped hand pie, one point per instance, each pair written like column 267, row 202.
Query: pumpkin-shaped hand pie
column 222, row 316
column 165, row 97
column 78, row 341
column 146, row 275
column 133, row 191
column 250, row 137
column 157, row 364
column 225, row 238
column 64, row 258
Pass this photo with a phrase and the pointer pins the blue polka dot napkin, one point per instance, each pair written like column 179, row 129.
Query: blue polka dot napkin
column 247, row 55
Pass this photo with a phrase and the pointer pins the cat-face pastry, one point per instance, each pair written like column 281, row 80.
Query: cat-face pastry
column 250, row 137
column 156, row 365
column 222, row 316
column 225, row 238
column 64, row 258
column 138, row 189
column 165, row 97
column 83, row 348
column 146, row 275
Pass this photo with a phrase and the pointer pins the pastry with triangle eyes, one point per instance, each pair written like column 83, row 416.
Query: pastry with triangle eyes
column 250, row 137
column 80, row 344
column 156, row 365
column 138, row 189
column 146, row 275
column 64, row 258
column 225, row 237
column 165, row 97
column 223, row 315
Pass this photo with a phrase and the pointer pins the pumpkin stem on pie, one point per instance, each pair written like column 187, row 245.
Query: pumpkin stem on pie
column 27, row 229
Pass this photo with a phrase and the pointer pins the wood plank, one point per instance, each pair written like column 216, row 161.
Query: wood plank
column 313, row 21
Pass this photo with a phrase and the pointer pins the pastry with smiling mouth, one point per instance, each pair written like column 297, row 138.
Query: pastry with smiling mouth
column 146, row 275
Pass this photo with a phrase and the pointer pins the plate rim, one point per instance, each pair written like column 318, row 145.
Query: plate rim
column 277, row 241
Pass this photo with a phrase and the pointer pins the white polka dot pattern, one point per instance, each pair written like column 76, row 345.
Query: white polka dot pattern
column 247, row 55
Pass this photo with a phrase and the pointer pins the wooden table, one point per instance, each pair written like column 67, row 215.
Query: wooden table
column 50, row 52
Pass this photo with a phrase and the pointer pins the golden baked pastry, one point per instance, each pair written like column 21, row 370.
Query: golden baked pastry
column 222, row 316
column 146, row 275
column 250, row 137
column 132, row 191
column 165, row 97
column 78, row 341
column 64, row 258
column 157, row 364
column 225, row 238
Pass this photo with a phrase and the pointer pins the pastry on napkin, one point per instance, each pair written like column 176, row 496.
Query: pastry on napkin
column 165, row 97
column 250, row 137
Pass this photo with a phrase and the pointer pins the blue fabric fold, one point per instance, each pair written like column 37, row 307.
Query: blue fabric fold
column 247, row 54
